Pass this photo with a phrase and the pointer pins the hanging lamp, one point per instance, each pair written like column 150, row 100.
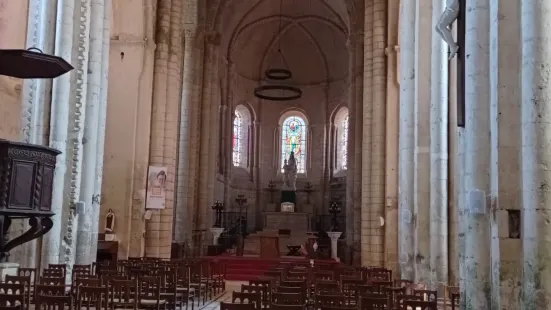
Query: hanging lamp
column 276, row 86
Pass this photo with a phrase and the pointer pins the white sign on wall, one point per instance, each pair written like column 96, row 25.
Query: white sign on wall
column 156, row 188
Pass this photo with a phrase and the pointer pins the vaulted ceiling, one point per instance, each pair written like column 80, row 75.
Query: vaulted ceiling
column 307, row 37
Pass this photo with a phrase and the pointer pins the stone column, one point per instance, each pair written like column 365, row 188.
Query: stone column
column 76, row 131
column 352, row 118
column 422, row 167
column 102, row 118
column 59, row 122
column 195, row 132
column 358, row 146
column 378, row 141
column 182, row 212
column 477, row 167
column 334, row 235
column 90, row 138
column 207, row 129
column 215, row 109
column 438, row 261
column 406, row 139
column 367, row 116
column 535, row 160
column 35, row 108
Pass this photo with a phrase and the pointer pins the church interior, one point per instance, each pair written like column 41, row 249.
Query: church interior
column 282, row 154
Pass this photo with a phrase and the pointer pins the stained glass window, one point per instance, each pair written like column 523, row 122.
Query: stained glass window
column 293, row 139
column 344, row 143
column 237, row 139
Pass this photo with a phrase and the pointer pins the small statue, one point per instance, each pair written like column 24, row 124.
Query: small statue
column 448, row 17
column 110, row 226
column 290, row 173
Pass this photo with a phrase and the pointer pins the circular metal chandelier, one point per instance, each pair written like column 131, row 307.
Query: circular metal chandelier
column 277, row 87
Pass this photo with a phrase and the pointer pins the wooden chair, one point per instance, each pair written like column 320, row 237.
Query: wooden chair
column 286, row 307
column 123, row 294
column 242, row 297
column 92, row 298
column 374, row 302
column 12, row 294
column 47, row 302
column 428, row 295
column 150, row 293
column 455, row 301
column 50, row 290
column 287, row 298
column 169, row 289
column 26, row 281
column 184, row 287
column 420, row 305
column 448, row 292
column 400, row 298
column 229, row 306
column 61, row 267
column 321, row 301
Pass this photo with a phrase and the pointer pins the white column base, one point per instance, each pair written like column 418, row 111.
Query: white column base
column 8, row 269
column 216, row 232
column 334, row 235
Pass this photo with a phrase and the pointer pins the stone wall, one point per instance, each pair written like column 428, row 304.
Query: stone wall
column 13, row 30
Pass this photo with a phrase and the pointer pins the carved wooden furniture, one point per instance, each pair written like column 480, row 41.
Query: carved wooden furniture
column 269, row 246
column 26, row 177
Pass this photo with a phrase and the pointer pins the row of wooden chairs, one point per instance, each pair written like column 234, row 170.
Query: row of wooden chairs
column 151, row 284
column 301, row 286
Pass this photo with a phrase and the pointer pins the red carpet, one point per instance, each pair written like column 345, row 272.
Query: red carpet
column 247, row 268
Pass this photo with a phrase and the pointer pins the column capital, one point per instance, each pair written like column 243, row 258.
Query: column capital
column 189, row 33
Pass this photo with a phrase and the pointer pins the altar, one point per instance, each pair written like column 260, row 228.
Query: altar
column 296, row 222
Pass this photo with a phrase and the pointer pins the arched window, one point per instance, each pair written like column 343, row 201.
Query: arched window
column 293, row 139
column 237, row 141
column 240, row 137
column 341, row 140
column 344, row 144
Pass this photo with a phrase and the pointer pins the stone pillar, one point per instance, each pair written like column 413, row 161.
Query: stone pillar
column 378, row 140
column 90, row 139
column 76, row 131
column 334, row 235
column 406, row 139
column 366, row 135
column 358, row 146
column 215, row 109
column 477, row 167
column 102, row 117
column 183, row 215
column 207, row 129
column 422, row 167
column 59, row 122
column 352, row 118
column 166, row 101
column 438, row 261
column 35, row 106
column 535, row 160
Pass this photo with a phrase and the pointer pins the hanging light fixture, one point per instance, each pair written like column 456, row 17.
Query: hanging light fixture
column 278, row 87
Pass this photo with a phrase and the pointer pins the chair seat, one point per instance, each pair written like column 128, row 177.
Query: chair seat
column 151, row 302
column 198, row 284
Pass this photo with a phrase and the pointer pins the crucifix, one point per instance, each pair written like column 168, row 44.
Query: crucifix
column 455, row 10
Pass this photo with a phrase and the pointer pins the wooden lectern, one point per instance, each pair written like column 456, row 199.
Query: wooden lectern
column 269, row 246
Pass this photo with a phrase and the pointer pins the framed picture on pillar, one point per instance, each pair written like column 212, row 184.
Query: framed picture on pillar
column 156, row 188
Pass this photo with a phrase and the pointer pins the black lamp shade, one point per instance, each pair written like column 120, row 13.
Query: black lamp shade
column 25, row 64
